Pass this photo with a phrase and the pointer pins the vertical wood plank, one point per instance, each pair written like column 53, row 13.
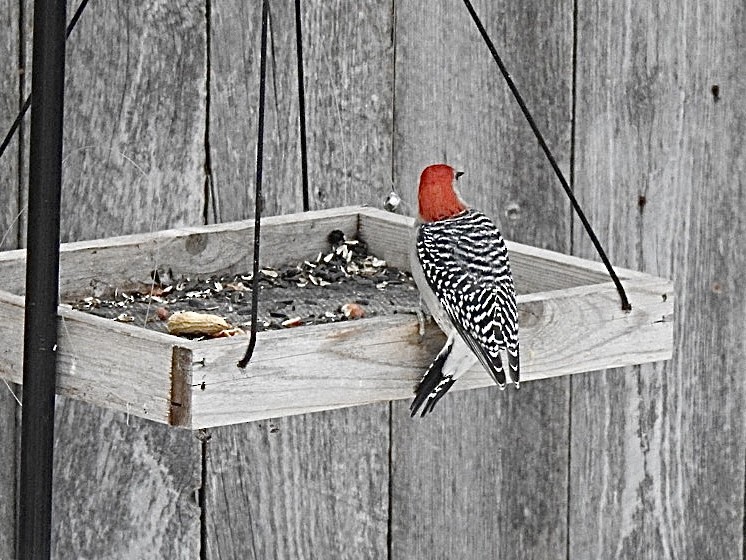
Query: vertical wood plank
column 485, row 476
column 235, row 29
column 124, row 487
column 134, row 152
column 658, row 452
column 308, row 486
column 452, row 105
column 313, row 486
column 26, row 27
column 9, row 437
column 9, row 192
column 349, row 69
column 9, row 95
column 348, row 76
column 134, row 119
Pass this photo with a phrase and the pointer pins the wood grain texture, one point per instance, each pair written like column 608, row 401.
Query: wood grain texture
column 349, row 68
column 114, row 365
column 9, row 195
column 9, row 94
column 461, row 482
column 133, row 158
column 469, row 496
column 235, row 30
column 379, row 359
column 323, row 492
column 310, row 486
column 123, row 487
column 452, row 105
column 25, row 47
column 89, row 267
column 348, row 59
column 658, row 452
column 534, row 270
column 644, row 463
column 196, row 384
column 135, row 116
column 9, row 466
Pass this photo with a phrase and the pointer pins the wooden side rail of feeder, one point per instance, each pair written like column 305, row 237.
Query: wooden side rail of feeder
column 570, row 322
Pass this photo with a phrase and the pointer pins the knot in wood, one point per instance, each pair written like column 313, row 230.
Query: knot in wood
column 196, row 243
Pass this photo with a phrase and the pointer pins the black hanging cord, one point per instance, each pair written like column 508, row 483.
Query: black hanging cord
column 514, row 90
column 301, row 105
column 27, row 103
column 258, row 191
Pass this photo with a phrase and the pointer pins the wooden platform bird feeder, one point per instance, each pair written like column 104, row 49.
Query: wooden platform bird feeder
column 569, row 312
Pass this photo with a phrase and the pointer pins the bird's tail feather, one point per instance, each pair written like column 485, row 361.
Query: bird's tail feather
column 433, row 385
column 514, row 365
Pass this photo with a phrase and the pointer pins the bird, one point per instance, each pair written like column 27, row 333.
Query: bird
column 460, row 265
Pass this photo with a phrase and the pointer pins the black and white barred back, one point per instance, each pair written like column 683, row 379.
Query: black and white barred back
column 465, row 263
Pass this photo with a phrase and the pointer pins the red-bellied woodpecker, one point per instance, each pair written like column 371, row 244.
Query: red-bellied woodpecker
column 460, row 264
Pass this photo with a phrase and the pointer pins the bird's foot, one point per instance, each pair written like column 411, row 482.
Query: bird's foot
column 421, row 319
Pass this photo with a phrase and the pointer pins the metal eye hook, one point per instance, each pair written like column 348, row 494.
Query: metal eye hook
column 392, row 201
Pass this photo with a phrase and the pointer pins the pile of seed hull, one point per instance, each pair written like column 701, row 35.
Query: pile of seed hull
column 340, row 284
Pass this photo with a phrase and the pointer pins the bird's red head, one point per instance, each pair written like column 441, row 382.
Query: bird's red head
column 437, row 198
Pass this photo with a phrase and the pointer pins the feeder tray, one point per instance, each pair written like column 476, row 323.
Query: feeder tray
column 569, row 313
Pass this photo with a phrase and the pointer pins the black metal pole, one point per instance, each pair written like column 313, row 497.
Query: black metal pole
column 42, row 283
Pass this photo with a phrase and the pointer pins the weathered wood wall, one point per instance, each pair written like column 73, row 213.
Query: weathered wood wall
column 313, row 485
column 643, row 462
column 658, row 451
column 461, row 485
column 10, row 79
column 134, row 149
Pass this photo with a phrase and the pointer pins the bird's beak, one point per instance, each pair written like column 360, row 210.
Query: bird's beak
column 458, row 174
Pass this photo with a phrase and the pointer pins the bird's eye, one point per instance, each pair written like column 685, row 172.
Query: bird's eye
column 458, row 174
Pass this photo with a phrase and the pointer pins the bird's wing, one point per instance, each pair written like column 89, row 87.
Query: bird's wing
column 465, row 263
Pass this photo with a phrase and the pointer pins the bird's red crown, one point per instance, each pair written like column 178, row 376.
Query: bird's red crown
column 437, row 198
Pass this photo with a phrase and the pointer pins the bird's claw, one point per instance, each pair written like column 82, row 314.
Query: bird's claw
column 423, row 315
column 420, row 325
